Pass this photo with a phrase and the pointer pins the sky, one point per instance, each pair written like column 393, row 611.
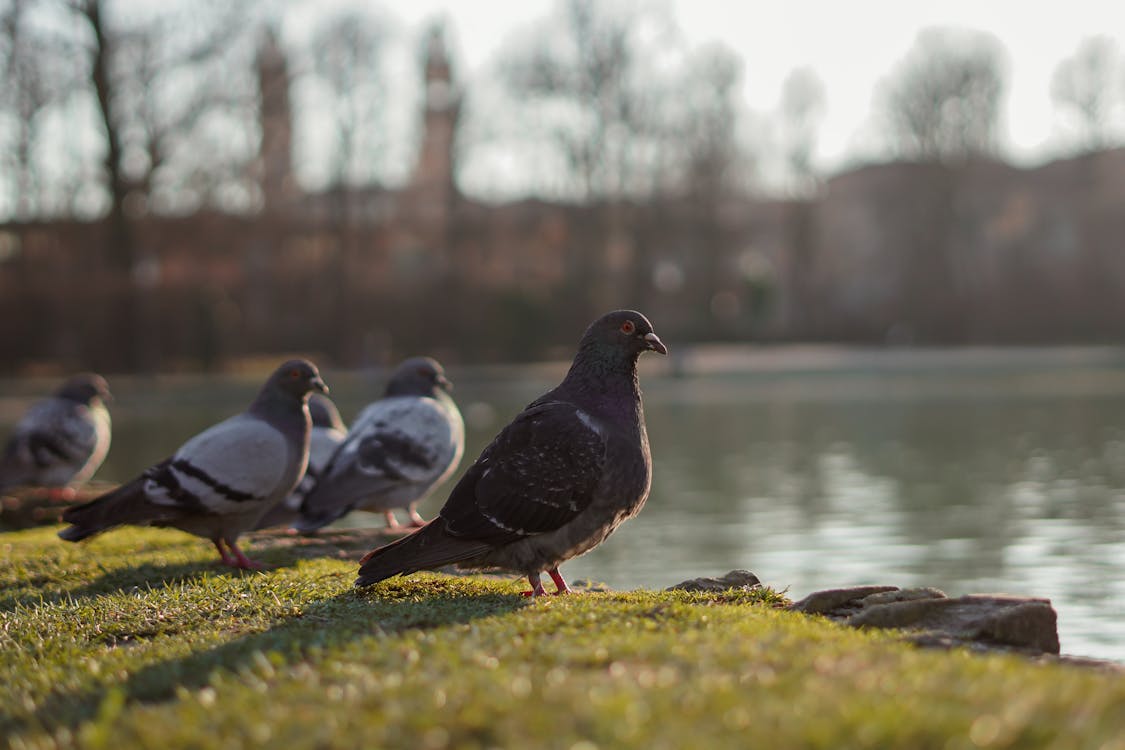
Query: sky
column 852, row 46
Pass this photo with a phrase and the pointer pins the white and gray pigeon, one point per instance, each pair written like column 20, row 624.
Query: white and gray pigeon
column 328, row 431
column 62, row 440
column 556, row 481
column 398, row 449
column 220, row 482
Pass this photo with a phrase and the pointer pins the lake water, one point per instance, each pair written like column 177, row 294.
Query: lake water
column 972, row 471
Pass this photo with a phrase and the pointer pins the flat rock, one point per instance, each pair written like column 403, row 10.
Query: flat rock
column 832, row 601
column 999, row 619
column 991, row 621
column 736, row 579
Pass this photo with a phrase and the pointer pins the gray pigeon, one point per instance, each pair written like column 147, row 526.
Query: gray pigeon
column 62, row 440
column 399, row 448
column 219, row 483
column 328, row 431
column 556, row 481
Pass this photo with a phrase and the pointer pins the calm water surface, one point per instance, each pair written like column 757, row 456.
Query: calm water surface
column 972, row 480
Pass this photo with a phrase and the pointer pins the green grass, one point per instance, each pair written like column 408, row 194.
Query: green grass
column 138, row 639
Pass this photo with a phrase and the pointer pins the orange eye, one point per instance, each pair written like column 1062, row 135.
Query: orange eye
column 294, row 373
column 628, row 327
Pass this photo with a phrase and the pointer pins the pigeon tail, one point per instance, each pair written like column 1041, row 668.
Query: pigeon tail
column 124, row 505
column 427, row 548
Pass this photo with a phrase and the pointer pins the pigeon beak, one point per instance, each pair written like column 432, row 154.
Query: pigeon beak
column 444, row 383
column 318, row 385
column 653, row 342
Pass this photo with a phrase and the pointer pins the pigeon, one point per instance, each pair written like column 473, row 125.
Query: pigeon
column 398, row 449
column 328, row 431
column 220, row 482
column 556, row 481
column 62, row 440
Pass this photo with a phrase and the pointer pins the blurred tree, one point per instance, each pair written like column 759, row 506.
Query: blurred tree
column 153, row 81
column 635, row 124
column 347, row 66
column 159, row 87
column 347, row 71
column 26, row 94
column 943, row 102
column 703, row 155
column 39, row 91
column 941, row 106
column 706, row 177
column 587, row 78
column 1088, row 86
column 590, row 74
column 801, row 112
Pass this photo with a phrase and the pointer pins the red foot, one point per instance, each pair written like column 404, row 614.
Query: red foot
column 416, row 520
column 536, row 586
column 236, row 559
column 222, row 552
column 560, row 584
column 392, row 522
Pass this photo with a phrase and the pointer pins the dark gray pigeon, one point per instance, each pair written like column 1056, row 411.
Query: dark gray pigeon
column 328, row 431
column 556, row 481
column 398, row 449
column 219, row 483
column 62, row 440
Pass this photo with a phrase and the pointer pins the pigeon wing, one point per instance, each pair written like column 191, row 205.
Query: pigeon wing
column 222, row 469
column 55, row 437
column 539, row 474
column 395, row 443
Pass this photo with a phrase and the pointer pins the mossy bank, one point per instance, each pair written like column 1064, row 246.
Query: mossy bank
column 137, row 639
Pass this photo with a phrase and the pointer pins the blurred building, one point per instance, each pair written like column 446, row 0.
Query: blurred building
column 982, row 251
column 899, row 252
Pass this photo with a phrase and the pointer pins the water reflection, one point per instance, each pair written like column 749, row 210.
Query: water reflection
column 969, row 484
column 1016, row 494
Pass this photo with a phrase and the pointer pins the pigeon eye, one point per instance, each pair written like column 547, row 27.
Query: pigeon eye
column 628, row 327
column 294, row 373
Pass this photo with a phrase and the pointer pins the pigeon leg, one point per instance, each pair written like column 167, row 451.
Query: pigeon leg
column 560, row 584
column 240, row 560
column 536, row 586
column 392, row 522
column 222, row 552
column 61, row 494
column 415, row 519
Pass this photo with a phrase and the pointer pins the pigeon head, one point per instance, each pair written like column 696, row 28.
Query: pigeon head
column 324, row 413
column 418, row 376
column 622, row 333
column 85, row 389
column 295, row 379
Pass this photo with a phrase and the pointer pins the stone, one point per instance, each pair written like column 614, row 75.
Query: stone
column 832, row 601
column 990, row 621
column 592, row 586
column 736, row 579
column 903, row 595
column 1018, row 622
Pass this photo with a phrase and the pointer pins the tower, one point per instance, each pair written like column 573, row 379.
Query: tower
column 275, row 159
column 431, row 190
